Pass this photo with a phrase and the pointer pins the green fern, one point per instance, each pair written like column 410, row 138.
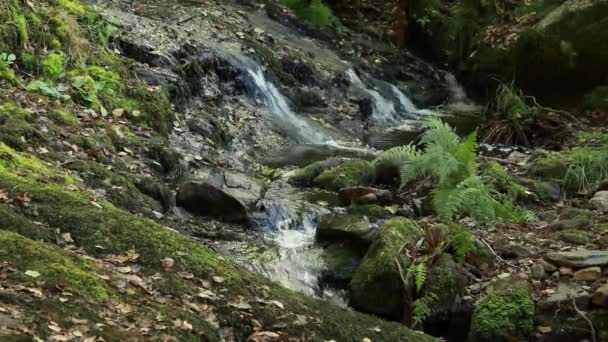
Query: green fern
column 462, row 242
column 420, row 277
column 422, row 309
column 452, row 160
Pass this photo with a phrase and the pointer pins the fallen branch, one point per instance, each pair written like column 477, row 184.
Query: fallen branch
column 582, row 314
column 496, row 255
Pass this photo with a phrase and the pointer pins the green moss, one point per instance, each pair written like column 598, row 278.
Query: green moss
column 506, row 313
column 349, row 173
column 13, row 221
column 315, row 11
column 548, row 165
column 54, row 65
column 372, row 211
column 73, row 7
column 345, row 226
column 62, row 117
column 575, row 236
column 376, row 285
column 55, row 269
column 22, row 29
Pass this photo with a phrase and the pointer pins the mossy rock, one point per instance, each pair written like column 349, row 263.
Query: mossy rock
column 442, row 293
column 372, row 211
column 376, row 286
column 575, row 236
column 548, row 165
column 545, row 191
column 505, row 313
column 341, row 262
column 340, row 227
column 305, row 176
column 570, row 213
column 347, row 174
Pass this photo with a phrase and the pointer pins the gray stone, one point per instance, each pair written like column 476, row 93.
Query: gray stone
column 359, row 194
column 579, row 259
column 549, row 267
column 564, row 293
column 538, row 272
column 600, row 201
column 225, row 195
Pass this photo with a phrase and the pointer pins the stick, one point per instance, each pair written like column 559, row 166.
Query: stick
column 496, row 255
column 582, row 314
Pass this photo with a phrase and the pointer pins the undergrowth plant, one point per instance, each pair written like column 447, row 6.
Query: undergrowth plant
column 451, row 160
column 314, row 11
column 587, row 169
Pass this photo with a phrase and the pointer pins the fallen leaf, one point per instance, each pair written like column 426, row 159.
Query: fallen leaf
column 33, row 274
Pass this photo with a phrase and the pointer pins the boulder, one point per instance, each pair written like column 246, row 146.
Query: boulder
column 579, row 259
column 575, row 236
column 341, row 262
column 305, row 176
column 376, row 286
column 348, row 174
column 600, row 201
column 600, row 296
column 302, row 155
column 505, row 313
column 339, row 227
column 224, row 195
column 443, row 290
column 357, row 193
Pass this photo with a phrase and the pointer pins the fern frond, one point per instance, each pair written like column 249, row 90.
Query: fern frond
column 463, row 242
column 439, row 133
column 420, row 276
column 397, row 155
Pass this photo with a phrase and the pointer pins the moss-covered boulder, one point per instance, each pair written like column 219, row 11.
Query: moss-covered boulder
column 376, row 286
column 442, row 293
column 372, row 211
column 575, row 236
column 305, row 176
column 505, row 313
column 548, row 165
column 341, row 262
column 347, row 174
column 340, row 227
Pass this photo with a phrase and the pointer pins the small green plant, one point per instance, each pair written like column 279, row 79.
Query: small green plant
column 452, row 162
column 587, row 169
column 315, row 11
column 422, row 309
column 54, row 65
column 54, row 91
column 462, row 242
column 6, row 71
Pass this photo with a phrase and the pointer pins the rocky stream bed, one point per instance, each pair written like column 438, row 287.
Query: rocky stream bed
column 221, row 184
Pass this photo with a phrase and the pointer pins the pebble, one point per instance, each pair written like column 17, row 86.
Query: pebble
column 538, row 272
column 565, row 270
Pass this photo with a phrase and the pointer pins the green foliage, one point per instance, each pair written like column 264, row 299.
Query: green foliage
column 462, row 242
column 587, row 169
column 54, row 91
column 452, row 161
column 510, row 104
column 315, row 11
column 268, row 173
column 422, row 309
column 54, row 65
column 497, row 176
column 6, row 72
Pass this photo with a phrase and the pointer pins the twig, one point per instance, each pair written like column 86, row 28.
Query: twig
column 496, row 255
column 582, row 314
column 406, row 289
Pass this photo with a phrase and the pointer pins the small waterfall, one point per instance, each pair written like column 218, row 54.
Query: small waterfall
column 267, row 94
column 385, row 109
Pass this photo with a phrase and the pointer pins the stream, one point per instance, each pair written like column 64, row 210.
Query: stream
column 256, row 88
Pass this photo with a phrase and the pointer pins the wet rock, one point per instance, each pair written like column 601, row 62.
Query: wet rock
column 356, row 194
column 224, row 195
column 600, row 201
column 338, row 227
column 376, row 285
column 446, row 284
column 341, row 261
column 579, row 259
column 538, row 271
column 373, row 212
column 588, row 274
column 505, row 313
column 600, row 296
column 302, row 155
column 348, row 174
